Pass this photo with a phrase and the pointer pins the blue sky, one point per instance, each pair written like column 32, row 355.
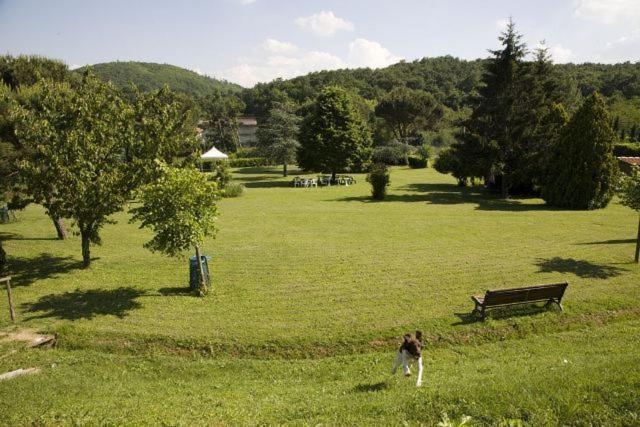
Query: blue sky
column 247, row 41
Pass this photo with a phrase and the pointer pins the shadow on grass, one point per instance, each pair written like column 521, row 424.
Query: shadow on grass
column 370, row 388
column 451, row 194
column 261, row 171
column 85, row 304
column 12, row 236
column 583, row 269
column 184, row 291
column 498, row 313
column 25, row 271
column 609, row 242
column 267, row 184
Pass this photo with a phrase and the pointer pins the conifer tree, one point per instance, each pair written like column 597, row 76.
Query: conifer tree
column 582, row 169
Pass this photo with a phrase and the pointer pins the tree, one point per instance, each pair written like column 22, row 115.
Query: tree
column 630, row 197
column 180, row 208
column 582, row 168
column 333, row 135
column 379, row 179
column 278, row 135
column 220, row 121
column 407, row 111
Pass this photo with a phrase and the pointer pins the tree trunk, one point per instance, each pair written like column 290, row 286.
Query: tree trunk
column 638, row 244
column 86, row 250
column 60, row 228
column 333, row 176
column 504, row 187
column 3, row 258
column 284, row 169
column 202, row 286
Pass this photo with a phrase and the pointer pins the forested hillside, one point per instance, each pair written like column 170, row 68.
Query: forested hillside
column 148, row 76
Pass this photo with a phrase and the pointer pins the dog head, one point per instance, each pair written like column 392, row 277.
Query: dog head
column 413, row 345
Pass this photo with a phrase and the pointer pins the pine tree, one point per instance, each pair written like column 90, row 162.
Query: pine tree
column 582, row 169
column 278, row 135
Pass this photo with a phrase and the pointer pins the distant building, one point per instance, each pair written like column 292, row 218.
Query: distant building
column 627, row 164
column 247, row 126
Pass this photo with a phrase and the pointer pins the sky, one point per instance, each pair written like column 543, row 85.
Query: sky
column 250, row 41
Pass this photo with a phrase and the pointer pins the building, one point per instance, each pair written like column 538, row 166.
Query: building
column 627, row 164
column 247, row 126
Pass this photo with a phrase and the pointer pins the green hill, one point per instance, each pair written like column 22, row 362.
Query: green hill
column 149, row 76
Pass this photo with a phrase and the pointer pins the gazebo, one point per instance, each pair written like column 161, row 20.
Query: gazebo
column 213, row 155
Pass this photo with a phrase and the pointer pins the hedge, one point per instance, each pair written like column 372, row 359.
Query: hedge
column 417, row 162
column 248, row 162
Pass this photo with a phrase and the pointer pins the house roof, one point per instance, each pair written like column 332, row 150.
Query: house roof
column 634, row 161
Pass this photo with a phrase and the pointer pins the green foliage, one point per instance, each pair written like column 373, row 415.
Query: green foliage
column 418, row 162
column 392, row 153
column 582, row 168
column 150, row 76
column 379, row 178
column 278, row 135
column 180, row 208
column 29, row 70
column 334, row 137
column 408, row 111
column 220, row 123
column 248, row 162
column 630, row 190
column 221, row 173
column 233, row 189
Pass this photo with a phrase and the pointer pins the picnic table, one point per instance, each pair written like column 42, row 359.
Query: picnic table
column 323, row 180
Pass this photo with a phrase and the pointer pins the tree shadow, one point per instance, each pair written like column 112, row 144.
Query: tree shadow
column 452, row 194
column 370, row 388
column 11, row 236
column 85, row 304
column 25, row 271
column 268, row 184
column 174, row 291
column 261, row 171
column 609, row 242
column 583, row 269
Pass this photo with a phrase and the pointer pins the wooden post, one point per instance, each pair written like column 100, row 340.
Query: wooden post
column 202, row 284
column 12, row 311
column 638, row 245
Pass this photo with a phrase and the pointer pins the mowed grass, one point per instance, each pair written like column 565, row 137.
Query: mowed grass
column 312, row 290
column 320, row 269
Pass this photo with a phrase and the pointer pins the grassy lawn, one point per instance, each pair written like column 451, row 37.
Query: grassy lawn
column 312, row 288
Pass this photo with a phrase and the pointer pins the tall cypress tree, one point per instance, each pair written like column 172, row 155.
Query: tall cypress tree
column 582, row 168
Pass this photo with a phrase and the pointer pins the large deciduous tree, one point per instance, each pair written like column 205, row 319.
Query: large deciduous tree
column 630, row 197
column 334, row 136
column 221, row 112
column 582, row 169
column 278, row 135
column 180, row 207
column 406, row 111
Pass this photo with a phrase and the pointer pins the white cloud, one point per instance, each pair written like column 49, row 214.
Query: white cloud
column 607, row 11
column 276, row 46
column 626, row 39
column 324, row 23
column 245, row 2
column 367, row 53
column 561, row 54
column 361, row 53
column 197, row 71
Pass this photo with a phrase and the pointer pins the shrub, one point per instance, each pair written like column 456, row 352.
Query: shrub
column 626, row 149
column 249, row 162
column 394, row 153
column 416, row 162
column 233, row 189
column 379, row 179
column 220, row 173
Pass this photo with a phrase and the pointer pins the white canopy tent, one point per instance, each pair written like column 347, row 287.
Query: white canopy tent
column 213, row 154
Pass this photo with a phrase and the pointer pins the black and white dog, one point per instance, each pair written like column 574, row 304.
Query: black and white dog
column 410, row 351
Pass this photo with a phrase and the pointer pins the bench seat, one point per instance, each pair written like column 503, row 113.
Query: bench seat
column 551, row 293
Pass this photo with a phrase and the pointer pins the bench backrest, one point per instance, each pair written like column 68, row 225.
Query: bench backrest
column 531, row 293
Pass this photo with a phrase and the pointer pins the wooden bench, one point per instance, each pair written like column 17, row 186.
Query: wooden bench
column 551, row 293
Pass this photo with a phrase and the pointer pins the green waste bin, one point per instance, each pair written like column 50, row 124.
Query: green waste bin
column 193, row 271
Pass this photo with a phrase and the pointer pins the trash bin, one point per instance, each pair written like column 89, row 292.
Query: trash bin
column 193, row 271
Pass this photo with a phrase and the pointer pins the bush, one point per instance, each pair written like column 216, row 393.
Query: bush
column 220, row 173
column 233, row 189
column 379, row 179
column 394, row 153
column 418, row 162
column 629, row 149
column 249, row 162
